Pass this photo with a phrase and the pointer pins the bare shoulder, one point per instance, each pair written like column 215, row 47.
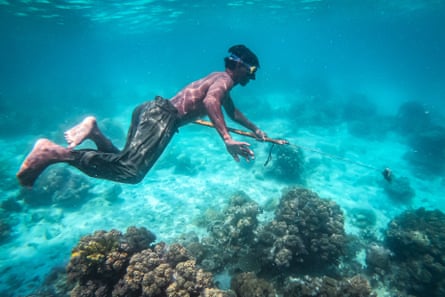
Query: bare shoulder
column 214, row 76
column 220, row 80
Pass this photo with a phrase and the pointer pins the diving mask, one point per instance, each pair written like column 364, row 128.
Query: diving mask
column 250, row 68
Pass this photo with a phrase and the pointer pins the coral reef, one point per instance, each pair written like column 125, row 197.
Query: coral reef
column 248, row 285
column 425, row 137
column 306, row 234
column 163, row 271
column 112, row 264
column 57, row 186
column 295, row 254
column 360, row 114
column 356, row 286
column 359, row 107
column 399, row 189
column 409, row 111
column 240, row 221
column 378, row 258
column 428, row 151
column 230, row 235
column 417, row 239
column 137, row 239
column 316, row 107
column 287, row 164
column 374, row 128
column 100, row 260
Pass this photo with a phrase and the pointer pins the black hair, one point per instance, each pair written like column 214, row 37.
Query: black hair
column 244, row 54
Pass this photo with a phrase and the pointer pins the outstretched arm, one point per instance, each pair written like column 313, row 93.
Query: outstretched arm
column 240, row 118
column 212, row 103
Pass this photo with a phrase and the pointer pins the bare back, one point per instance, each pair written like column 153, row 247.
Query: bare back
column 203, row 96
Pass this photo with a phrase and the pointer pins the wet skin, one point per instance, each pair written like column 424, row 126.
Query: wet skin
column 206, row 96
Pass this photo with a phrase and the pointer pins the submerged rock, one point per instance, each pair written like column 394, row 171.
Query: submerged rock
column 57, row 186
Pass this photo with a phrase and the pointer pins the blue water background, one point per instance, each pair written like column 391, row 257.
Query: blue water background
column 97, row 57
column 62, row 60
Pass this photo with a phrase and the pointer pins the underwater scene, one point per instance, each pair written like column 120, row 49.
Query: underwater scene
column 345, row 196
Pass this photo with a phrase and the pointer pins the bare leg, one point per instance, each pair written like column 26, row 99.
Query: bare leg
column 88, row 129
column 42, row 155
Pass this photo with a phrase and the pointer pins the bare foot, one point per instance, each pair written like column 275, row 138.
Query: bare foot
column 42, row 155
column 86, row 129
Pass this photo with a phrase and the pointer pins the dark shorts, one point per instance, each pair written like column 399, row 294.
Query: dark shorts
column 152, row 127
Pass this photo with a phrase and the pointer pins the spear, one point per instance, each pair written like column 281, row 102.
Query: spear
column 244, row 133
column 387, row 172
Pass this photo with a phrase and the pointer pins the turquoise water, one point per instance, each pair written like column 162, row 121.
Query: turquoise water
column 358, row 85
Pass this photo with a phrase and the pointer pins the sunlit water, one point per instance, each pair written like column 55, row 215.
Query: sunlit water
column 63, row 60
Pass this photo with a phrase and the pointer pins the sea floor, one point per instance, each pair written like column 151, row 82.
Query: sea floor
column 194, row 175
